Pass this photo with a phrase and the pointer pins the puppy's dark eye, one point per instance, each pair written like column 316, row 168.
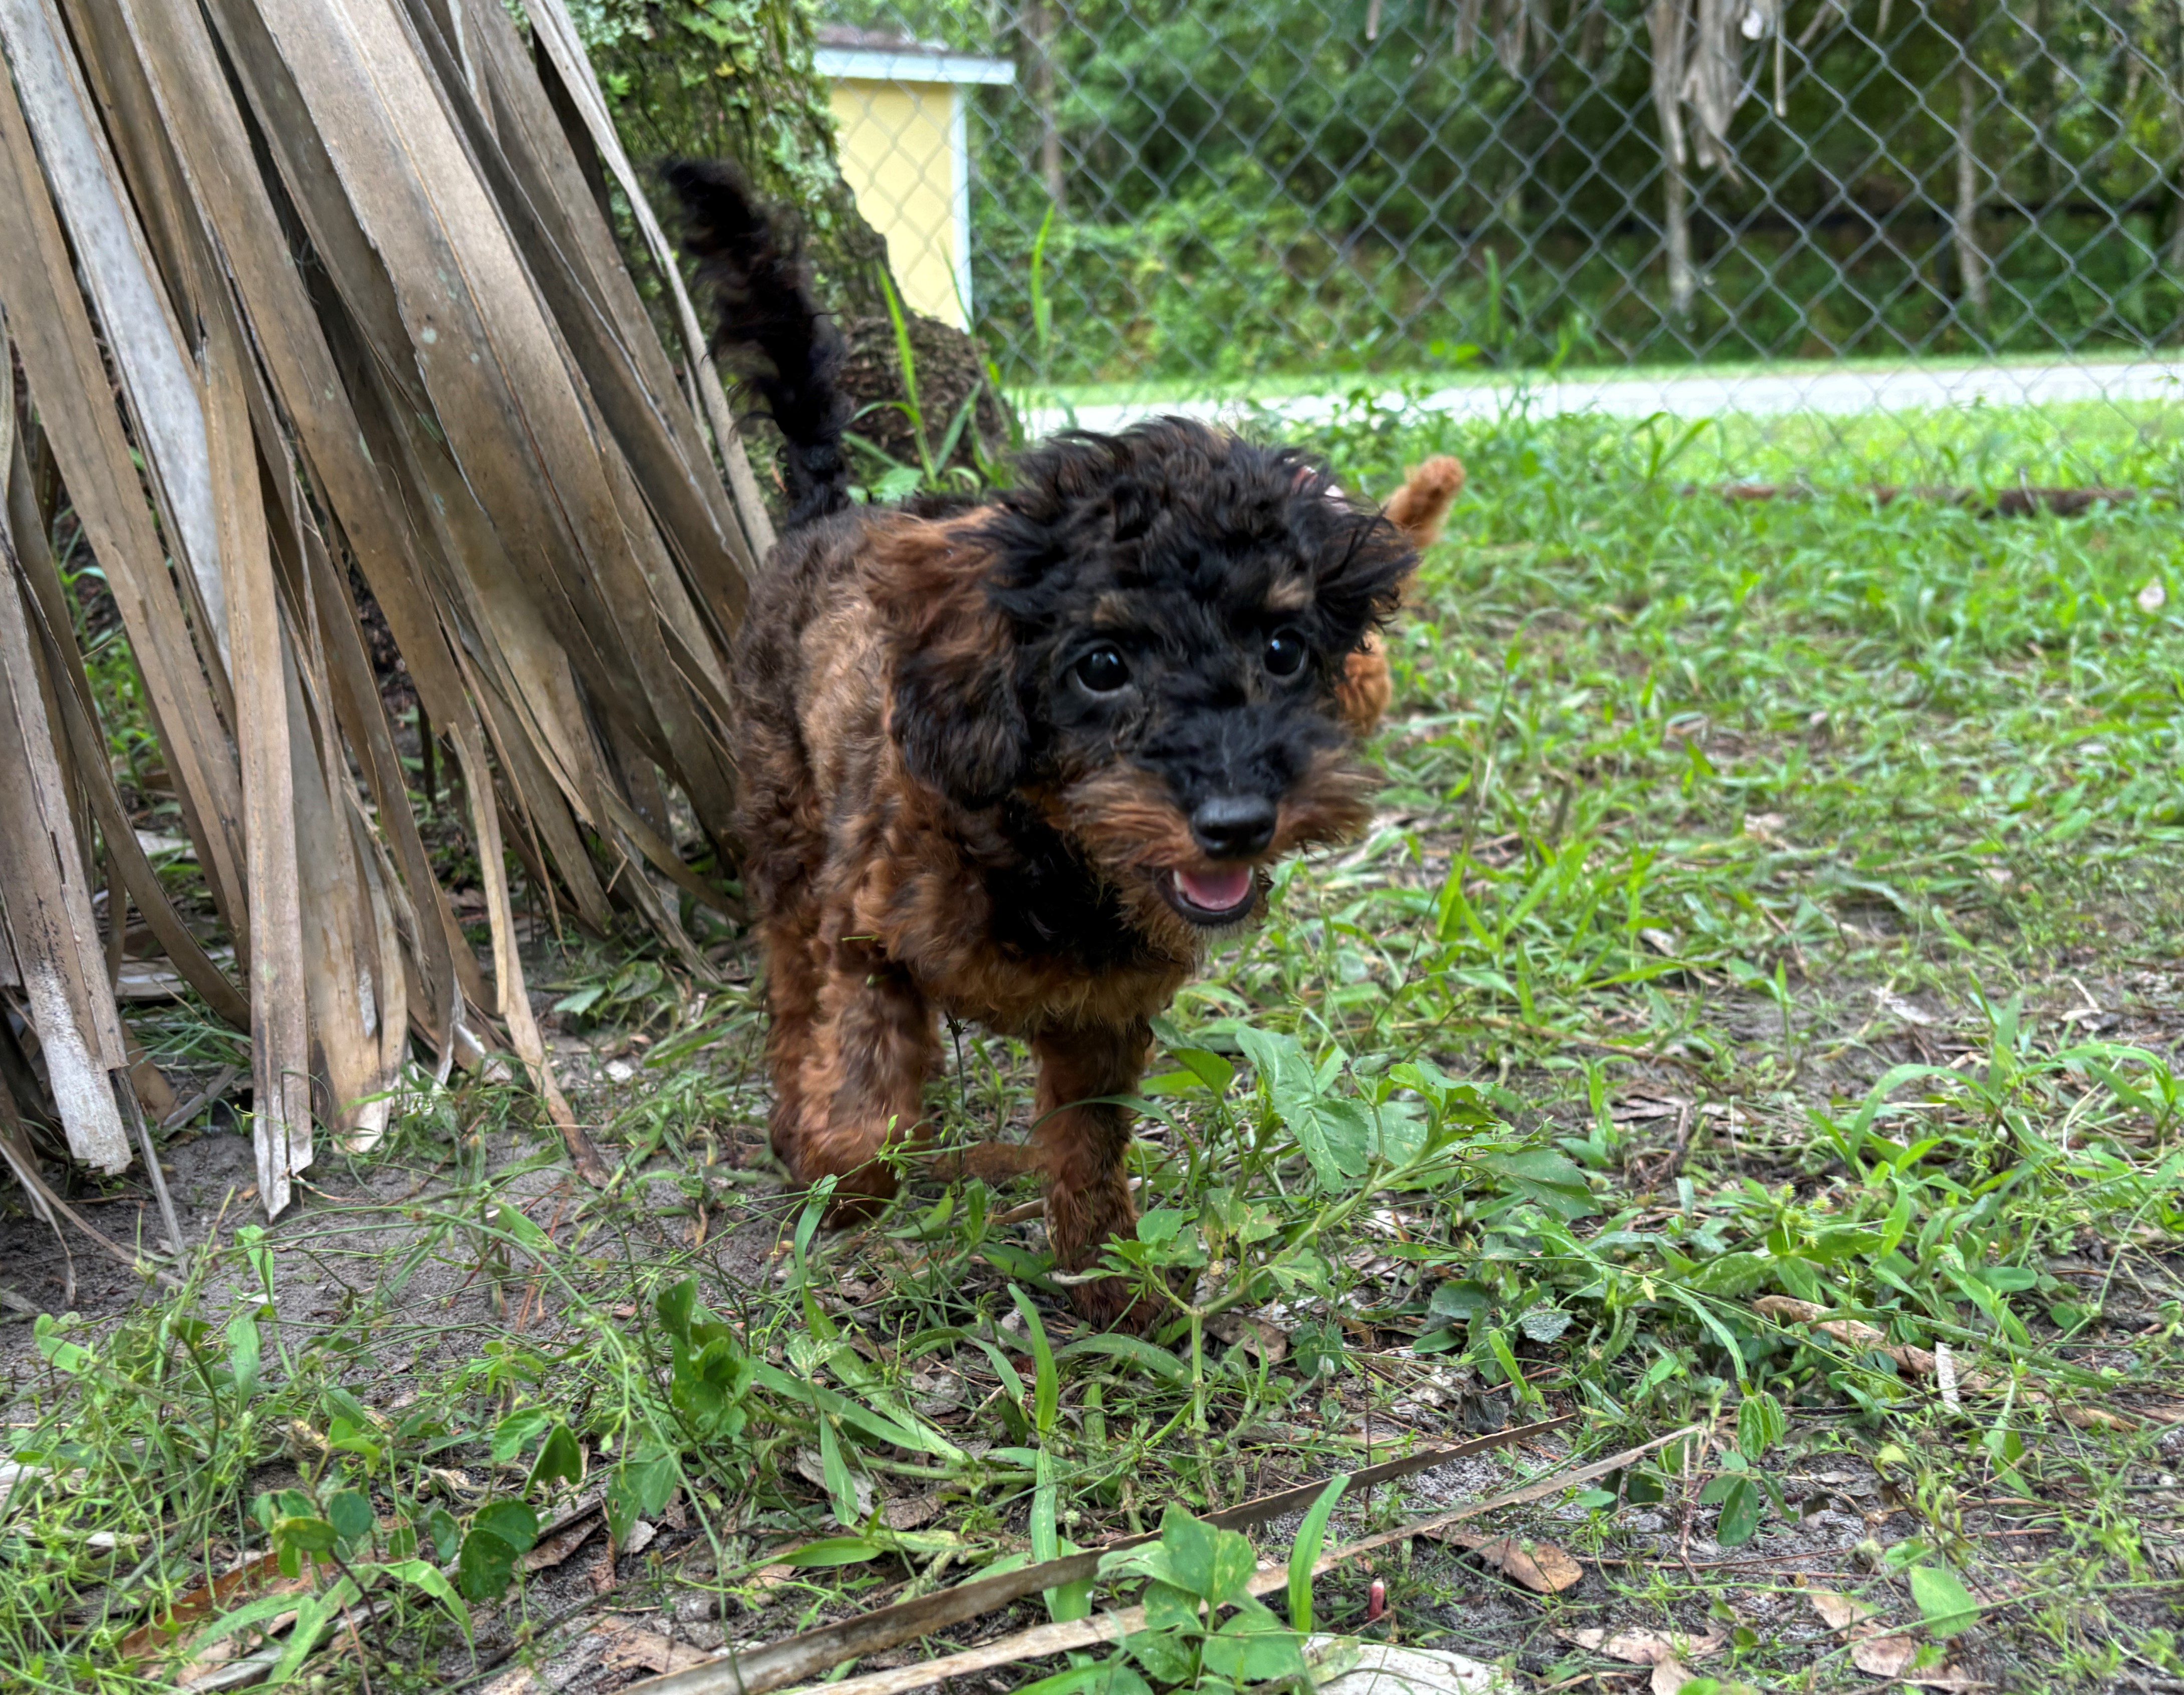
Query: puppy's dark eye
column 1103, row 671
column 1284, row 653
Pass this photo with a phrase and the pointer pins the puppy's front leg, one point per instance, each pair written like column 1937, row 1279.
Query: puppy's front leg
column 1083, row 1140
column 862, row 1083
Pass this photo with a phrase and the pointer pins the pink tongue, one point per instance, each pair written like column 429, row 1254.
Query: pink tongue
column 1217, row 891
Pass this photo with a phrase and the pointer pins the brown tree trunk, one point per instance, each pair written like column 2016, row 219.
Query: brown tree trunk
column 2173, row 84
column 1667, row 21
column 1038, row 30
column 1971, row 263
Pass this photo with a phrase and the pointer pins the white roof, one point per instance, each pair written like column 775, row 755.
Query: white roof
column 909, row 64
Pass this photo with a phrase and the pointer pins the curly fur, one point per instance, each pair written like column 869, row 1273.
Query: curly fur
column 943, row 814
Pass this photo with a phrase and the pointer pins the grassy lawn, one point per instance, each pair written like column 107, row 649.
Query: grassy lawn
column 1754, row 1014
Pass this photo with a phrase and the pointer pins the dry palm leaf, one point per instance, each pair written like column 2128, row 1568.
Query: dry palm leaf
column 300, row 288
column 1697, row 65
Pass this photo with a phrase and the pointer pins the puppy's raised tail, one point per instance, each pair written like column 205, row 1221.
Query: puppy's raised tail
column 1420, row 507
column 779, row 338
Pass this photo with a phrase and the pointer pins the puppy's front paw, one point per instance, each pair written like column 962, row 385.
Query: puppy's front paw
column 1110, row 1304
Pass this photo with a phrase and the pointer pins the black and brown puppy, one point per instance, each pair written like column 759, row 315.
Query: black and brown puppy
column 1020, row 761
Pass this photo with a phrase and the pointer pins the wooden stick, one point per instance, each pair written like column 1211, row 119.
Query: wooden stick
column 757, row 1672
column 815, row 1651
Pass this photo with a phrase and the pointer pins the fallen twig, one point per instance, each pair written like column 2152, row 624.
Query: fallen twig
column 203, row 1098
column 814, row 1651
column 756, row 1673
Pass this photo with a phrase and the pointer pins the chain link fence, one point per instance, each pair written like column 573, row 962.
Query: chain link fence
column 1763, row 206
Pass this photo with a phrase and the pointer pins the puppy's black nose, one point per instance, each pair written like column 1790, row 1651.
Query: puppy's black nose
column 1234, row 825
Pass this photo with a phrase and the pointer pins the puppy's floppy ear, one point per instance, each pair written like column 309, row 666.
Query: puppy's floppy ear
column 954, row 711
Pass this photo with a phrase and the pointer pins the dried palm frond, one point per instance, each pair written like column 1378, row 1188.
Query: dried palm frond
column 300, row 288
column 1698, row 55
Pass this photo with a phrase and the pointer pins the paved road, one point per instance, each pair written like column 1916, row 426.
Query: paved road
column 1703, row 395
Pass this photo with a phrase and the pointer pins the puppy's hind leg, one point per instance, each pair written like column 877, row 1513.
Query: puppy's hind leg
column 794, row 969
column 1083, row 1138
column 861, row 1086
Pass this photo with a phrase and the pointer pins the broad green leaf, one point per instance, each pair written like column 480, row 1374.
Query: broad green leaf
column 558, row 1457
column 1944, row 1602
column 342, row 1404
column 1253, row 1650
column 1170, row 1608
column 485, row 1567
column 62, row 1355
column 1169, row 1657
column 640, row 1489
column 512, row 1521
column 1212, row 1069
column 1334, row 1134
column 446, row 1532
column 349, row 1512
column 306, row 1534
column 1458, row 1300
column 1148, row 1559
column 1544, row 1324
column 517, row 1431
column 674, row 1305
column 1741, row 1505
column 245, row 1352
column 518, row 1225
column 1234, row 1564
column 1552, row 1179
column 1189, row 1543
column 1760, row 1424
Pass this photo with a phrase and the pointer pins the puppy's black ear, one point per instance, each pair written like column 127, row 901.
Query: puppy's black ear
column 954, row 711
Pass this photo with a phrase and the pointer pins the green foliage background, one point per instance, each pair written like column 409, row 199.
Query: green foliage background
column 1255, row 186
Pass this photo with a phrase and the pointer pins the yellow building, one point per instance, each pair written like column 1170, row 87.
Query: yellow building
column 901, row 111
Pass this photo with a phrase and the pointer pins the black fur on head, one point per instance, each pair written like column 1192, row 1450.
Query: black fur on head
column 779, row 338
column 1173, row 600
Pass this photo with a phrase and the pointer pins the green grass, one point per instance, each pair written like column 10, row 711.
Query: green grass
column 1767, row 901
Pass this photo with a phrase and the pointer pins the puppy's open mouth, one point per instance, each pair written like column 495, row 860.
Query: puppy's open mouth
column 1219, row 896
